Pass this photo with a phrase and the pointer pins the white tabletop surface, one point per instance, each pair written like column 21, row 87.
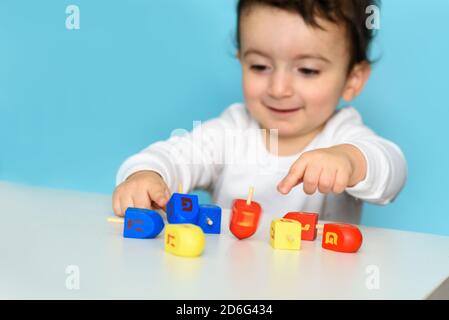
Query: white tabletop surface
column 45, row 231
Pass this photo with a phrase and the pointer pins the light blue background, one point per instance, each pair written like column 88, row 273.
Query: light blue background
column 75, row 103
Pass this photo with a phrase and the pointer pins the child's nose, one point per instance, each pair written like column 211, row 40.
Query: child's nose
column 281, row 85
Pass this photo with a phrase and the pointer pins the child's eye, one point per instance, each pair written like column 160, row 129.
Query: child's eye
column 258, row 67
column 309, row 72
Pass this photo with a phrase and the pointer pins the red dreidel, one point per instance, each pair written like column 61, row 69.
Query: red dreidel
column 341, row 237
column 308, row 221
column 245, row 216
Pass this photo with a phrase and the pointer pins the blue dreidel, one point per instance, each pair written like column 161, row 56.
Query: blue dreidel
column 142, row 223
column 182, row 208
column 209, row 218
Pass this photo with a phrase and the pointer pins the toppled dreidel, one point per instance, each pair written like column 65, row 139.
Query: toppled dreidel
column 186, row 240
column 245, row 216
column 182, row 208
column 341, row 237
column 285, row 234
column 140, row 223
column 209, row 218
column 308, row 221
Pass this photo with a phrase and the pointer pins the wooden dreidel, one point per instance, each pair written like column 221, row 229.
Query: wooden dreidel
column 182, row 208
column 209, row 218
column 186, row 240
column 140, row 223
column 245, row 216
column 308, row 221
column 285, row 234
column 341, row 237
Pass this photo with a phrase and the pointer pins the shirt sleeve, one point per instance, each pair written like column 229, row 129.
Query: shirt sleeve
column 194, row 158
column 386, row 165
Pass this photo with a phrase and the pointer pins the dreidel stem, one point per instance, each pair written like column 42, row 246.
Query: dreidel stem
column 116, row 220
column 250, row 196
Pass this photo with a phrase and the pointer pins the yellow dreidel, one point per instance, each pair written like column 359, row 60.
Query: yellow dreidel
column 186, row 240
column 285, row 234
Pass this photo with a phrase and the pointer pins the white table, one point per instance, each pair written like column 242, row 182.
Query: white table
column 45, row 231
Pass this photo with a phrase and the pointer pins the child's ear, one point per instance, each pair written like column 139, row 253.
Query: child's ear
column 356, row 80
column 237, row 54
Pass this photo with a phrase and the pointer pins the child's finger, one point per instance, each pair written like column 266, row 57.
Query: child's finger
column 341, row 182
column 167, row 192
column 159, row 194
column 116, row 206
column 311, row 178
column 142, row 200
column 125, row 203
column 116, row 203
column 293, row 178
column 326, row 180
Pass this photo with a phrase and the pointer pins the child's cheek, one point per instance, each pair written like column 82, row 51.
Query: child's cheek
column 252, row 90
column 323, row 97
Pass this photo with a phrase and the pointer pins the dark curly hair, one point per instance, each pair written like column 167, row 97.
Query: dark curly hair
column 351, row 13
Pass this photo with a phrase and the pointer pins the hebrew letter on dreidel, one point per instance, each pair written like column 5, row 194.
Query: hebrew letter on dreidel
column 331, row 238
column 186, row 204
column 131, row 224
column 169, row 238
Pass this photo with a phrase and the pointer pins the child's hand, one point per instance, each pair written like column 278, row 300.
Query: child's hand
column 143, row 189
column 328, row 169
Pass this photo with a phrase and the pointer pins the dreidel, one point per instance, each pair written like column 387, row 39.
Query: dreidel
column 285, row 234
column 245, row 216
column 140, row 223
column 182, row 208
column 209, row 218
column 186, row 240
column 309, row 222
column 341, row 237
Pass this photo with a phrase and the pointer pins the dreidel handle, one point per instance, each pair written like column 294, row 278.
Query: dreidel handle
column 115, row 220
column 250, row 196
column 209, row 221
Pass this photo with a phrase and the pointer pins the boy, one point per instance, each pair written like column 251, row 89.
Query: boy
column 298, row 57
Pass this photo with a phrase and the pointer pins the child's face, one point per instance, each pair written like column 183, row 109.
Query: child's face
column 293, row 74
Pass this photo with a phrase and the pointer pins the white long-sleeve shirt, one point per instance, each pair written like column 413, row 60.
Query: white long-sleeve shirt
column 227, row 155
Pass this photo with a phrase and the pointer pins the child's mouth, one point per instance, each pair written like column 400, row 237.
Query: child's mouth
column 283, row 111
